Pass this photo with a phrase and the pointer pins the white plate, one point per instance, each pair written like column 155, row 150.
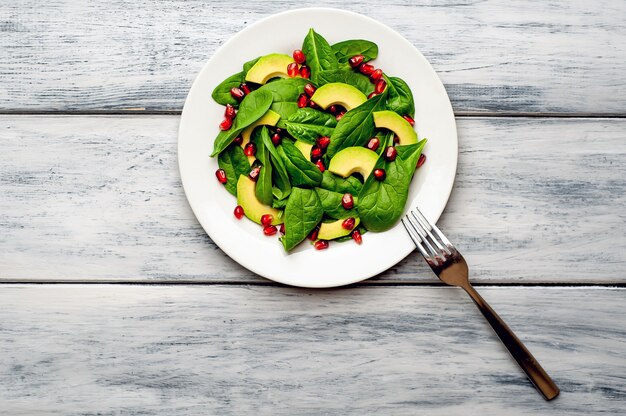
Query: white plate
column 243, row 241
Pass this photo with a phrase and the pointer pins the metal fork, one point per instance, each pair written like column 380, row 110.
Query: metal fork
column 451, row 268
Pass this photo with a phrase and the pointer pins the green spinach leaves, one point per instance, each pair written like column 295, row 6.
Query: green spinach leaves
column 356, row 127
column 301, row 172
column 307, row 124
column 302, row 214
column 252, row 108
column 349, row 48
column 319, row 55
column 381, row 203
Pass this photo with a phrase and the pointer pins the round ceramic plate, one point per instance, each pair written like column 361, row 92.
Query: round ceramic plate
column 242, row 240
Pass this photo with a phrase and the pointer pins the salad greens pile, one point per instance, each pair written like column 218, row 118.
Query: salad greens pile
column 319, row 144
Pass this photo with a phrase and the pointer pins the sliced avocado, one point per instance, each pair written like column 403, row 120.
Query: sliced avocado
column 252, row 207
column 392, row 121
column 305, row 148
column 332, row 230
column 353, row 160
column 268, row 119
column 268, row 67
column 338, row 93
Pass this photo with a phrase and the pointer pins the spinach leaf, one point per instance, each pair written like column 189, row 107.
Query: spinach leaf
column 234, row 162
column 335, row 183
column 252, row 108
column 285, row 89
column 381, row 203
column 399, row 96
column 302, row 213
column 307, row 124
column 221, row 93
column 331, row 204
column 263, row 188
column 356, row 127
column 284, row 109
column 285, row 92
column 349, row 48
column 300, row 171
column 280, row 203
column 279, row 172
column 319, row 54
column 346, row 76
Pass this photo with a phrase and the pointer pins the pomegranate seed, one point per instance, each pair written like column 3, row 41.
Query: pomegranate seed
column 266, row 219
column 309, row 89
column 366, row 69
column 376, row 75
column 355, row 61
column 323, row 142
column 303, row 100
column 298, row 56
column 305, row 72
column 221, row 175
column 421, row 160
column 282, row 228
column 340, row 115
column 237, row 93
column 348, row 223
column 372, row 94
column 270, row 230
column 409, row 119
column 245, row 88
column 312, row 104
column 391, row 153
column 239, row 212
column 333, row 109
column 321, row 245
column 380, row 86
column 379, row 174
column 396, row 139
column 356, row 236
column 373, row 143
column 230, row 111
column 292, row 69
column 347, row 201
column 226, row 124
column 238, row 140
column 320, row 165
column 313, row 235
column 254, row 173
column 249, row 149
column 316, row 153
column 276, row 139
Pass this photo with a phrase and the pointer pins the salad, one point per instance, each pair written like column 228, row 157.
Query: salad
column 317, row 145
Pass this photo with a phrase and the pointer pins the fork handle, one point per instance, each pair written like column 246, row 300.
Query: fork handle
column 520, row 353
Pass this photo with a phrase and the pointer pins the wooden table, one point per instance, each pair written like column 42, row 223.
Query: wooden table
column 114, row 301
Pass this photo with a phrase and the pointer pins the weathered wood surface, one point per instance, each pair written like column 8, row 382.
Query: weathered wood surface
column 525, row 56
column 99, row 198
column 215, row 350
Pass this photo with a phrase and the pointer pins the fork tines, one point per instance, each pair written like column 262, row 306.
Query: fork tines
column 419, row 230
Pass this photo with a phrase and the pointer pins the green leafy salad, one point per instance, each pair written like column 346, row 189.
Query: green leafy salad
column 319, row 144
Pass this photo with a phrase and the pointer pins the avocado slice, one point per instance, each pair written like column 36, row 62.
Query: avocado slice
column 252, row 207
column 392, row 121
column 270, row 118
column 338, row 93
column 332, row 230
column 353, row 160
column 305, row 148
column 268, row 67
